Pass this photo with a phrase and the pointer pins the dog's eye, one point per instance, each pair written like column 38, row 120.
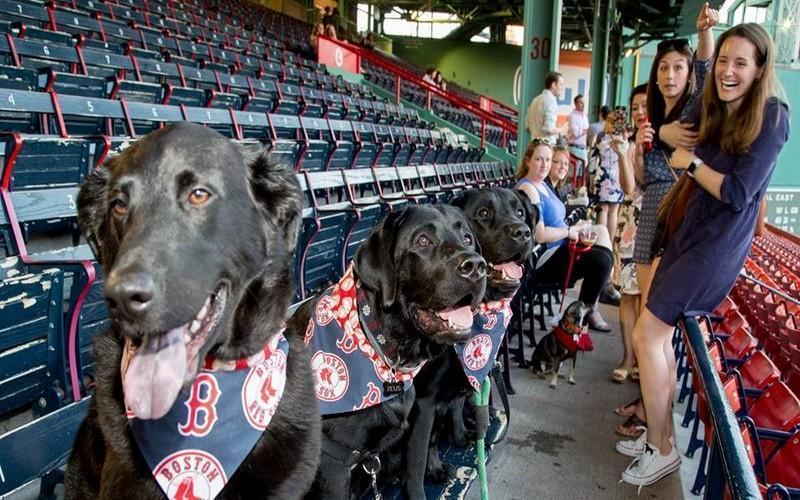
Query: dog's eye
column 483, row 212
column 119, row 208
column 199, row 197
column 423, row 241
column 468, row 239
column 520, row 212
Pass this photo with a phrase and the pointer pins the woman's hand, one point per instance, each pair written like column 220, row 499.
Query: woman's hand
column 572, row 233
column 678, row 135
column 707, row 19
column 681, row 158
column 616, row 144
column 646, row 133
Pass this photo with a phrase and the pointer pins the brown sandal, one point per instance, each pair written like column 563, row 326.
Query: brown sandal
column 633, row 427
column 628, row 409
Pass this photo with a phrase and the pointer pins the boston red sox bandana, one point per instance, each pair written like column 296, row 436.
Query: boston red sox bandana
column 573, row 338
column 489, row 326
column 213, row 425
column 349, row 373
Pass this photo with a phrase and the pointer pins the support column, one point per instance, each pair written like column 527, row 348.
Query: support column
column 542, row 21
column 600, row 36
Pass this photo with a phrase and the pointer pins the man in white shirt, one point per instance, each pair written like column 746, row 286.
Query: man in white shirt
column 542, row 114
column 578, row 126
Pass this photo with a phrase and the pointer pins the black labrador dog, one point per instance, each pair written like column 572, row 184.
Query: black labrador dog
column 502, row 222
column 416, row 268
column 195, row 236
column 561, row 344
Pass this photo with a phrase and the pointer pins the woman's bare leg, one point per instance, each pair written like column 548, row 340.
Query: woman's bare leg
column 655, row 376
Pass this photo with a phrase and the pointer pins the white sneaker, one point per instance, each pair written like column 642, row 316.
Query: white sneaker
column 651, row 466
column 633, row 447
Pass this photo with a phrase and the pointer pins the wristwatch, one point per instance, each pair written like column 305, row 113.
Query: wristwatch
column 693, row 166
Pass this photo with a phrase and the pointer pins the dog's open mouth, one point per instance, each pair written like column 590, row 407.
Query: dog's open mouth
column 165, row 361
column 505, row 274
column 450, row 325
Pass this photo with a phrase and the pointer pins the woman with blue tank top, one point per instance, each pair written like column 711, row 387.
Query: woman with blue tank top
column 594, row 266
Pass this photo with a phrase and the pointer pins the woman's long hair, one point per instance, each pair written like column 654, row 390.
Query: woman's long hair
column 522, row 169
column 735, row 133
column 656, row 105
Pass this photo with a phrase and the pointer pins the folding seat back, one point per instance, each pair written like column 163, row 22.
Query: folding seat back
column 313, row 102
column 368, row 206
column 334, row 105
column 251, row 125
column 392, row 114
column 105, row 64
column 441, row 149
column 35, row 54
column 263, row 95
column 271, row 70
column 31, row 347
column 291, row 75
column 93, row 319
column 411, row 184
column 418, row 146
column 76, row 22
column 367, row 146
column 352, row 111
column 318, row 144
column 387, row 147
column 324, row 261
column 288, row 99
column 217, row 119
column 784, row 466
column 287, row 138
column 758, row 371
column 740, row 344
column 27, row 11
column 778, row 409
column 344, row 140
column 367, row 109
column 429, row 183
column 381, row 115
column 402, row 145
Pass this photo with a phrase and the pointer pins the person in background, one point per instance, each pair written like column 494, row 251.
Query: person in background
column 428, row 76
column 559, row 179
column 578, row 127
column 318, row 29
column 625, row 268
column 438, row 80
column 542, row 114
column 596, row 127
column 594, row 266
column 330, row 32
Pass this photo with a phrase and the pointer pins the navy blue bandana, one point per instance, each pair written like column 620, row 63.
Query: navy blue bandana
column 349, row 373
column 478, row 353
column 213, row 425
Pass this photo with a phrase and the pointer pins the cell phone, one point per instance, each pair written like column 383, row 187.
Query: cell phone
column 619, row 119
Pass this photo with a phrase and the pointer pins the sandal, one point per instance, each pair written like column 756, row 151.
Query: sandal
column 635, row 373
column 620, row 375
column 627, row 409
column 633, row 427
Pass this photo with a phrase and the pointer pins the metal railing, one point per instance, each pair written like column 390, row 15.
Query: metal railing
column 730, row 464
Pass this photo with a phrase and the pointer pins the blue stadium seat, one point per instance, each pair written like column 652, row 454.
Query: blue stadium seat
column 412, row 186
column 313, row 102
column 252, row 125
column 286, row 138
column 31, row 349
column 387, row 147
column 429, row 184
column 317, row 144
column 288, row 99
column 334, row 106
column 367, row 146
column 344, row 140
column 402, row 145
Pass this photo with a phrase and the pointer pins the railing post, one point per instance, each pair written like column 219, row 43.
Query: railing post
column 503, row 139
column 428, row 100
column 483, row 132
column 397, row 90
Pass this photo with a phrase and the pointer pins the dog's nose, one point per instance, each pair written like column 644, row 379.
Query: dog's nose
column 131, row 293
column 519, row 232
column 472, row 267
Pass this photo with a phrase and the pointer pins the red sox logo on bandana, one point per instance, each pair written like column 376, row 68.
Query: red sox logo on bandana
column 214, row 424
column 262, row 389
column 330, row 376
column 190, row 474
column 349, row 373
column 488, row 328
column 477, row 351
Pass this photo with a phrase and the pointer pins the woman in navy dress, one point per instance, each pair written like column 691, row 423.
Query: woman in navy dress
column 743, row 128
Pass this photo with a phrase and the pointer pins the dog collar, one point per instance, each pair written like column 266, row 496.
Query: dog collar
column 198, row 445
column 350, row 372
column 478, row 353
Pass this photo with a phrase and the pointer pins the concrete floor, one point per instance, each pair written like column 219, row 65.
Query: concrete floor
column 560, row 442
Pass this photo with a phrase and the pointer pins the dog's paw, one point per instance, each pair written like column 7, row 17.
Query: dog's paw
column 539, row 374
column 441, row 474
column 553, row 386
column 571, row 381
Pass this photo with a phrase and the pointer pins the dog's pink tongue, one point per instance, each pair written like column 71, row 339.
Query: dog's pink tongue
column 155, row 375
column 460, row 318
column 511, row 269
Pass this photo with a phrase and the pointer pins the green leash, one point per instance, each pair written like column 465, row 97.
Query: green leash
column 481, row 425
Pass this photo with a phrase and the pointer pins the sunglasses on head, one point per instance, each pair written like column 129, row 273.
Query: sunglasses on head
column 672, row 44
column 541, row 140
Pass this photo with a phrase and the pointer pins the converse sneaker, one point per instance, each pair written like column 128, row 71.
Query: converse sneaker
column 651, row 466
column 633, row 447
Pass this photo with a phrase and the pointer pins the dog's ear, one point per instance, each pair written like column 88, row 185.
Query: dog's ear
column 374, row 260
column 93, row 207
column 459, row 201
column 277, row 192
column 532, row 215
